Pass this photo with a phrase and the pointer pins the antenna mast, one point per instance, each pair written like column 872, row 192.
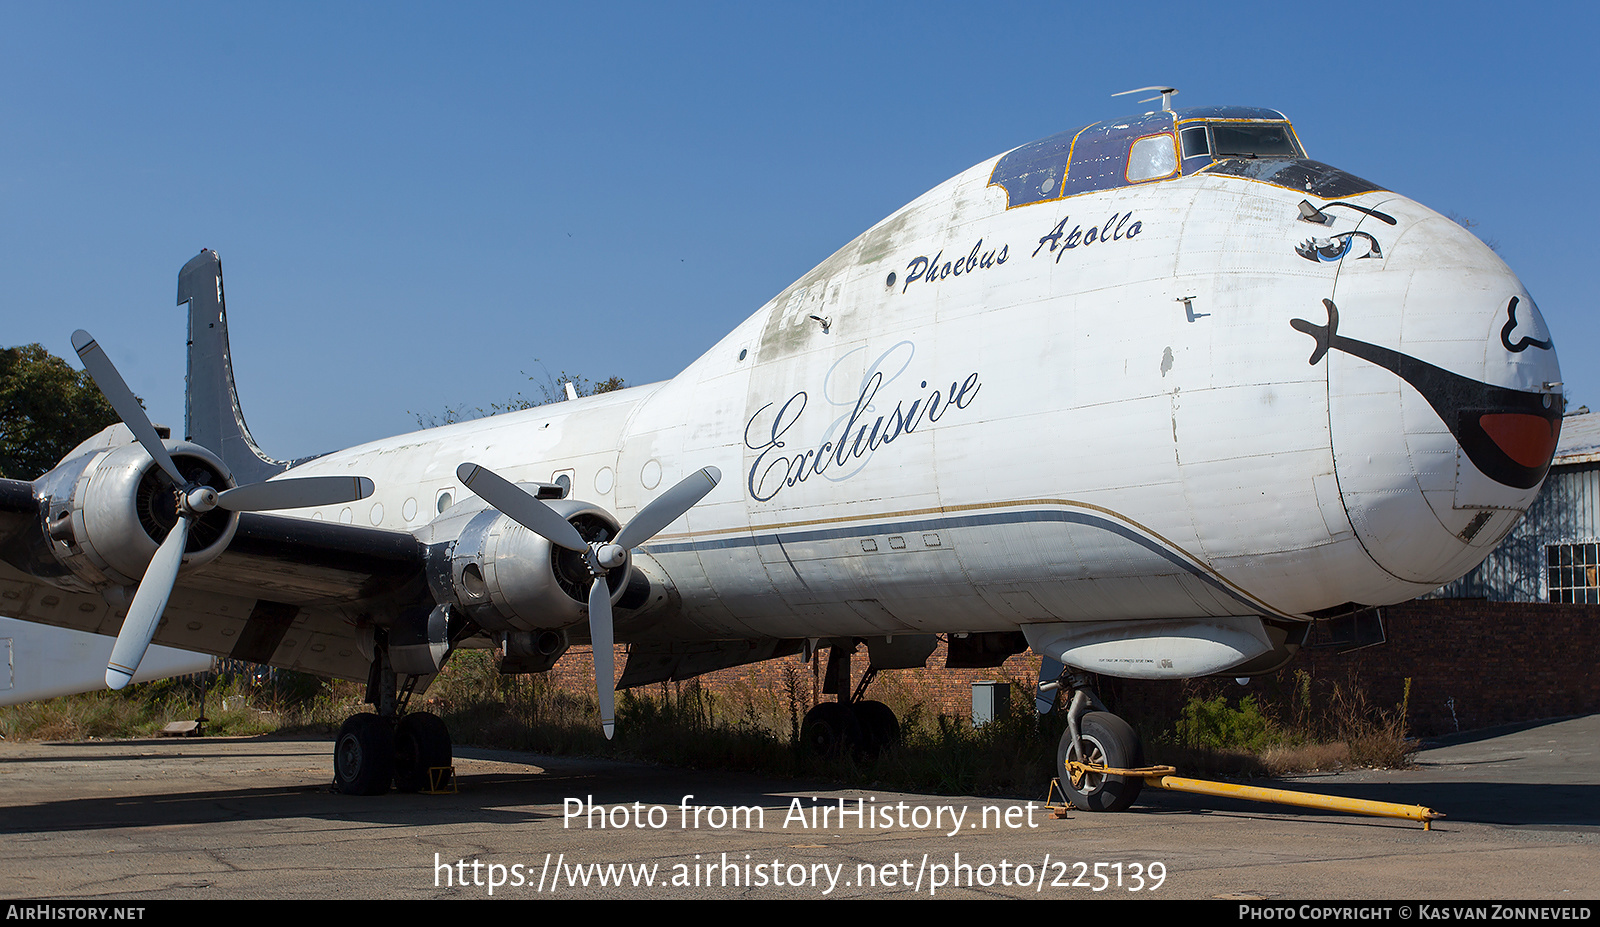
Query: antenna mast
column 1166, row 95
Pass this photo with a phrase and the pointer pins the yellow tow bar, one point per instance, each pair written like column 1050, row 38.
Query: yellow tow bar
column 1161, row 777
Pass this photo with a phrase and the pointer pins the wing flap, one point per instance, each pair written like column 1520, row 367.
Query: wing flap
column 301, row 562
column 322, row 640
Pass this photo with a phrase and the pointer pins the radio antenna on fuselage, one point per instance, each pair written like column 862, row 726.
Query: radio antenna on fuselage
column 1166, row 95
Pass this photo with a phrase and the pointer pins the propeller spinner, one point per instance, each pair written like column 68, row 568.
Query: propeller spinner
column 192, row 499
column 601, row 557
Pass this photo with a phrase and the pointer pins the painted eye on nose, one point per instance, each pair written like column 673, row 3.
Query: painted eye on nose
column 1328, row 250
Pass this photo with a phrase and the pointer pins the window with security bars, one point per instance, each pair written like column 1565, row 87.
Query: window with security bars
column 1573, row 571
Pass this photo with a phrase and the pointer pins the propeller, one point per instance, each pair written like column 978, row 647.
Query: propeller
column 192, row 500
column 601, row 557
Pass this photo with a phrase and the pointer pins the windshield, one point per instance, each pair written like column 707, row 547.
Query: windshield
column 1253, row 140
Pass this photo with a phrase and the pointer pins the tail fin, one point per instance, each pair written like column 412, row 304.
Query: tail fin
column 212, row 418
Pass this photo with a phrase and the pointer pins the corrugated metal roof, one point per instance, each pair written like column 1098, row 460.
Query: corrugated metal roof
column 1580, row 439
column 1566, row 512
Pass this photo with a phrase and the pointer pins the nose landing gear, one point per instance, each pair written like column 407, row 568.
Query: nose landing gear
column 1100, row 740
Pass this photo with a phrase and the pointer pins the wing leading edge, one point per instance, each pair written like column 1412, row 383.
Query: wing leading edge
column 287, row 592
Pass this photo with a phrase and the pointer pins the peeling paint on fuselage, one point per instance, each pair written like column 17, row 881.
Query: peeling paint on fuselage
column 1012, row 412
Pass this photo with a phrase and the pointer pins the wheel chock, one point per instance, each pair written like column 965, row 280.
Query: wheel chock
column 1057, row 811
column 441, row 781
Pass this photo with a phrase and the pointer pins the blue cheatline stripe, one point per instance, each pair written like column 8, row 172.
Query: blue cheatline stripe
column 1033, row 516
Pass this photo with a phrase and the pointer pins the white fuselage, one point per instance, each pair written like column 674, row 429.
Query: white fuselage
column 979, row 418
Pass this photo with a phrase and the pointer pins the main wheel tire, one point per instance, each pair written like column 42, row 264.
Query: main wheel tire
column 829, row 728
column 363, row 756
column 421, row 743
column 879, row 727
column 1108, row 741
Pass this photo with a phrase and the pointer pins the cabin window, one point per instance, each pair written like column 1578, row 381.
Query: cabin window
column 1253, row 140
column 1152, row 157
column 1194, row 142
column 1573, row 573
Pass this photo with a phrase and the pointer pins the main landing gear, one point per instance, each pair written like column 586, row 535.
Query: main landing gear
column 861, row 726
column 396, row 746
column 372, row 751
column 1096, row 738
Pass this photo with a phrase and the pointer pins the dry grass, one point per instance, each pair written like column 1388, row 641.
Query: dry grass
column 756, row 728
column 1306, row 728
column 1376, row 737
column 1288, row 760
column 749, row 727
column 232, row 703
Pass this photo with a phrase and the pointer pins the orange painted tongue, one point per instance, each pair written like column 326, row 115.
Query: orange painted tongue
column 1530, row 440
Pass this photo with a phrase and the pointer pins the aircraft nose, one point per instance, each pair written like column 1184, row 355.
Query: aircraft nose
column 1444, row 395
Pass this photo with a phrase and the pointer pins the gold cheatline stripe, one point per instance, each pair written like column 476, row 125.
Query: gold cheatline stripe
column 977, row 506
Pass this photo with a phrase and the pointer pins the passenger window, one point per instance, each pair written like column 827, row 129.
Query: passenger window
column 1194, row 142
column 1151, row 157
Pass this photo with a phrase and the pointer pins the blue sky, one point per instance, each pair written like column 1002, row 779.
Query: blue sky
column 416, row 204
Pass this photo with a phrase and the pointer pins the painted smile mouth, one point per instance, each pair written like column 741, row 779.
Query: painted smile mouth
column 1508, row 434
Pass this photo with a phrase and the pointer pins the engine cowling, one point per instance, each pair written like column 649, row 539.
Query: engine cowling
column 107, row 512
column 507, row 578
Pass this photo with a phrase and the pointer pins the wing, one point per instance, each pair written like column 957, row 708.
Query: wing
column 287, row 592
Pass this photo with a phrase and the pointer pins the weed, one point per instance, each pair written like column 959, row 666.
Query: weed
column 1214, row 723
column 1306, row 728
column 747, row 726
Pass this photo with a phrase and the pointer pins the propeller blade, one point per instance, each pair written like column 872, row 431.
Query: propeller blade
column 605, row 656
column 668, row 507
column 122, row 399
column 148, row 603
column 525, row 509
column 295, row 493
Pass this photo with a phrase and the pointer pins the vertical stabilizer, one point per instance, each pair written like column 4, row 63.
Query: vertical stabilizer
column 212, row 418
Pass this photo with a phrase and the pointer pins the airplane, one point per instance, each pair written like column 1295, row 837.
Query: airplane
column 1153, row 397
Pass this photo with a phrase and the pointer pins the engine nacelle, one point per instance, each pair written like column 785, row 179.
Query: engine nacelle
column 505, row 577
column 107, row 512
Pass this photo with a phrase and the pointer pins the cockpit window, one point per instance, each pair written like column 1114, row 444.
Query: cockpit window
column 1194, row 142
column 1156, row 146
column 1302, row 174
column 1253, row 140
column 1152, row 157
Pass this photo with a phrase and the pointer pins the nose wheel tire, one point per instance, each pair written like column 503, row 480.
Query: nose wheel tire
column 363, row 756
column 1109, row 741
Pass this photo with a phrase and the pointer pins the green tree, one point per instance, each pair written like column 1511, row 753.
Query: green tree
column 551, row 389
column 46, row 409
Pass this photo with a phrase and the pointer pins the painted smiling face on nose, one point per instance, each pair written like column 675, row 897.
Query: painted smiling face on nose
column 1510, row 435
